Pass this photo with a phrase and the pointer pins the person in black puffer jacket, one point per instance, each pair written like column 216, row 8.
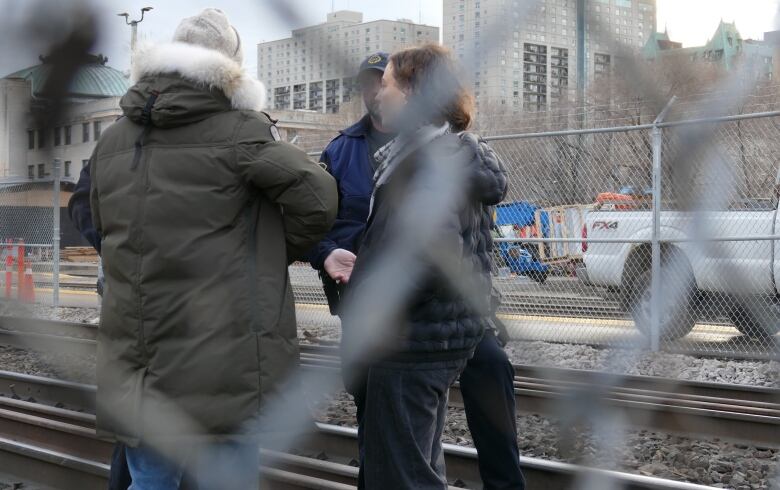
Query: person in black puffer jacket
column 419, row 298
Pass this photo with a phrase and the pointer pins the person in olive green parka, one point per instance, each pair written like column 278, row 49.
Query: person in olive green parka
column 200, row 209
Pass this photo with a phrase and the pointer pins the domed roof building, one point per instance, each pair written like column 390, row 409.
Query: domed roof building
column 31, row 138
column 93, row 80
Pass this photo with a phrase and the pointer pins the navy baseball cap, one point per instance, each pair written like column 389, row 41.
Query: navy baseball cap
column 377, row 61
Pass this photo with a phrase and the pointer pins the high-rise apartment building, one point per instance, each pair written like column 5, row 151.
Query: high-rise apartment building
column 526, row 54
column 315, row 68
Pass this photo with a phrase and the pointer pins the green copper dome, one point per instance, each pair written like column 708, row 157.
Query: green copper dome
column 92, row 80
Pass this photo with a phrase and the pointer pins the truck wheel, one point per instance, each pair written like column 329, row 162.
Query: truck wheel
column 678, row 317
column 749, row 325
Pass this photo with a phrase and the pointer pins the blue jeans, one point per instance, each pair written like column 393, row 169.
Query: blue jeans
column 213, row 466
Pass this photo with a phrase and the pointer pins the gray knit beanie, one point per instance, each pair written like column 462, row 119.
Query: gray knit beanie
column 211, row 29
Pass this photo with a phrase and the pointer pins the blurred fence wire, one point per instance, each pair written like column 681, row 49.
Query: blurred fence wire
column 625, row 231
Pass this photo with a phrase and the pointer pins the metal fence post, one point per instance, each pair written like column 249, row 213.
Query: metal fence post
column 55, row 258
column 655, row 286
column 655, row 261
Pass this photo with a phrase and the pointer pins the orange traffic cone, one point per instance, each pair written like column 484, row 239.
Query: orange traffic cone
column 9, row 276
column 29, row 286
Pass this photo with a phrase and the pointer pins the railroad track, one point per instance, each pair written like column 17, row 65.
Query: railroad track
column 59, row 447
column 736, row 412
column 699, row 408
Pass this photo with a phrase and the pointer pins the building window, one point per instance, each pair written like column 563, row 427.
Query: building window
column 41, row 170
column 31, row 172
column 57, row 137
column 66, row 169
column 31, row 139
column 66, row 131
column 84, row 163
column 41, row 138
column 85, row 132
column 96, row 126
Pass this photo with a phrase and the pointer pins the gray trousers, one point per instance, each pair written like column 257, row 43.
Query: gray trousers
column 406, row 407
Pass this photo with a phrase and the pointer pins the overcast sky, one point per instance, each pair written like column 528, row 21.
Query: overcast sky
column 256, row 20
column 689, row 21
column 693, row 22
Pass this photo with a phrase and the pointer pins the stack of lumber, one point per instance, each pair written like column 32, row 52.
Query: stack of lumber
column 79, row 254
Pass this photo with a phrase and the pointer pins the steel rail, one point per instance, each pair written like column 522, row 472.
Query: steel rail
column 461, row 464
column 63, row 453
column 737, row 412
column 710, row 409
column 49, row 327
column 40, row 447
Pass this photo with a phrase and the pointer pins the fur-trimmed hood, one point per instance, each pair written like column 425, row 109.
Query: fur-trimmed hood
column 204, row 67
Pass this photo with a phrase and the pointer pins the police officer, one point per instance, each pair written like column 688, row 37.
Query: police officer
column 487, row 381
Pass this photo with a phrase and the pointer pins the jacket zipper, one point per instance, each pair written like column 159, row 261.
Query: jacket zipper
column 142, row 181
column 251, row 215
column 142, row 189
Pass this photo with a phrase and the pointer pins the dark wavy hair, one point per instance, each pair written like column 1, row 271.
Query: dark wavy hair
column 433, row 78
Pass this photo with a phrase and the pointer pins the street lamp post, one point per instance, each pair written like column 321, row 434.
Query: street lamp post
column 134, row 26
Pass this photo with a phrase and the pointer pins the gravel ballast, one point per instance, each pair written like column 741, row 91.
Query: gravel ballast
column 711, row 462
column 572, row 356
column 620, row 361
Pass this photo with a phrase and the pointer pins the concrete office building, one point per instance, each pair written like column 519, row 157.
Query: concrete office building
column 530, row 58
column 315, row 68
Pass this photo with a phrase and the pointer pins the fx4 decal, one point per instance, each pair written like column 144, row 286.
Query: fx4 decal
column 605, row 225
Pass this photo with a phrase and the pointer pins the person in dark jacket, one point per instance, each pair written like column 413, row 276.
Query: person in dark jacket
column 350, row 159
column 413, row 360
column 487, row 381
column 200, row 209
column 81, row 216
column 78, row 209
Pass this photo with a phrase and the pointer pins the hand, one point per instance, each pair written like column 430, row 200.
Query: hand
column 339, row 265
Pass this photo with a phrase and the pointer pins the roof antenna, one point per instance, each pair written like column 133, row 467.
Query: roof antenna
column 419, row 4
column 332, row 6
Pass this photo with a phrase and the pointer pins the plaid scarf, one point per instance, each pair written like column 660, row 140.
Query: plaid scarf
column 393, row 153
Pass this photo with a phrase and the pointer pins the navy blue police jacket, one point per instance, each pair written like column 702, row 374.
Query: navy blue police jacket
column 349, row 161
column 80, row 211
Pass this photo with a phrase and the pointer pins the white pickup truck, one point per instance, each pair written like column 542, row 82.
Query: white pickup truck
column 738, row 280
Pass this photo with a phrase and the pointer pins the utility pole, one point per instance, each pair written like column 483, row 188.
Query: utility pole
column 579, row 162
column 581, row 53
column 134, row 27
column 55, row 242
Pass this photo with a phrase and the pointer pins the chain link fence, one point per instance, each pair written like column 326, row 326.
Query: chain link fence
column 30, row 238
column 596, row 218
column 574, row 258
